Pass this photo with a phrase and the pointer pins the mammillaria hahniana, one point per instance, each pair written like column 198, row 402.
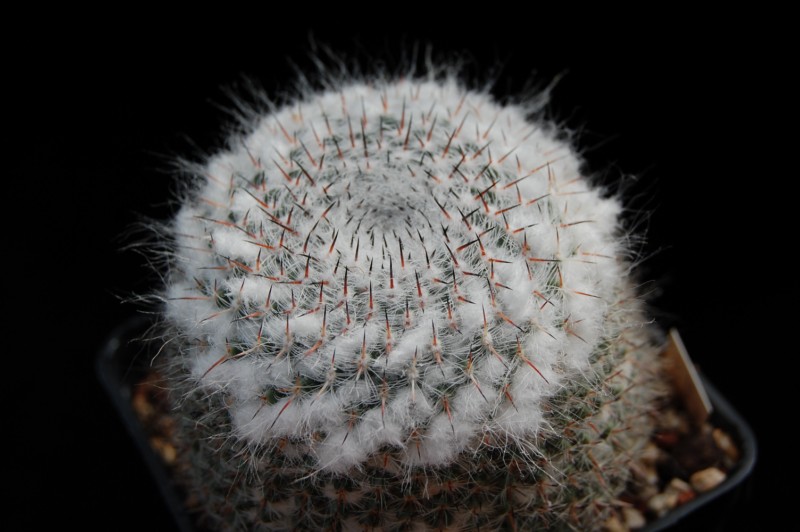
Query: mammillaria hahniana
column 398, row 304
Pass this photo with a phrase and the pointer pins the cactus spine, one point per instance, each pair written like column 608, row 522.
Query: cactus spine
column 399, row 305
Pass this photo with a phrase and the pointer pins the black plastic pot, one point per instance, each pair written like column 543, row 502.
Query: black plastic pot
column 122, row 362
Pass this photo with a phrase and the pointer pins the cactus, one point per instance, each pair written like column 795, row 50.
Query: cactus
column 395, row 305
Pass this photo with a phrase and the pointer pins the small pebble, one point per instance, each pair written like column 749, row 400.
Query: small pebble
column 663, row 503
column 142, row 405
column 678, row 486
column 648, row 491
column 707, row 479
column 633, row 518
column 672, row 420
column 169, row 454
column 646, row 473
column 725, row 444
column 650, row 454
column 685, row 497
column 613, row 524
column 165, row 449
column 667, row 438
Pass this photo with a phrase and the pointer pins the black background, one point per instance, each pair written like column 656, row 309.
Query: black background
column 680, row 114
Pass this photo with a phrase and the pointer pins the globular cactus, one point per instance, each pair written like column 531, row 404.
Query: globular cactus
column 398, row 305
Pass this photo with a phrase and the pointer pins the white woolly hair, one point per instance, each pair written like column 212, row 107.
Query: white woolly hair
column 401, row 263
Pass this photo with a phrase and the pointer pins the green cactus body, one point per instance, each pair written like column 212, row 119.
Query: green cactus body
column 399, row 305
